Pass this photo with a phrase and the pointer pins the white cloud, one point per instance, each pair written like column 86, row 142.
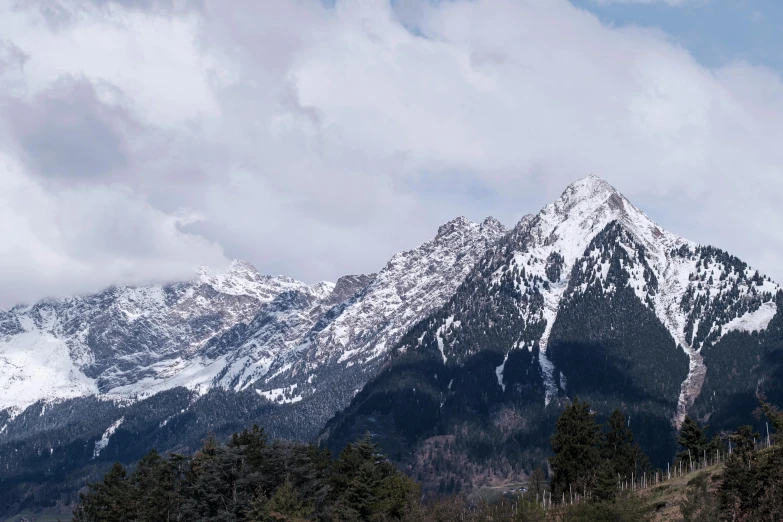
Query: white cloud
column 316, row 142
column 83, row 238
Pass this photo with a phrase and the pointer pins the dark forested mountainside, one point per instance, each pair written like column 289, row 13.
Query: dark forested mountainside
column 46, row 458
column 733, row 382
column 609, row 348
column 446, row 381
column 253, row 479
column 623, row 315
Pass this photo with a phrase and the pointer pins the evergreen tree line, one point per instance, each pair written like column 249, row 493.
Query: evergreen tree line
column 590, row 460
column 252, row 479
column 735, row 477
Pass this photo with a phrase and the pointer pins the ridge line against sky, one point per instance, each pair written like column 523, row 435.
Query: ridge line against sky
column 140, row 139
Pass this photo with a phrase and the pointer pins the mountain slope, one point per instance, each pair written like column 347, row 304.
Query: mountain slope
column 162, row 366
column 229, row 329
column 127, row 341
column 345, row 349
column 615, row 309
column 274, row 338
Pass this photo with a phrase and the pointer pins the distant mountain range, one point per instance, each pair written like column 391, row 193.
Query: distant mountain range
column 466, row 346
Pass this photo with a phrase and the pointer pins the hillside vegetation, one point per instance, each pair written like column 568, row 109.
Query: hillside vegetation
column 597, row 473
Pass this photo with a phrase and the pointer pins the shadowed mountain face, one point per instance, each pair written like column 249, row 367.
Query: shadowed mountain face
column 457, row 355
column 588, row 299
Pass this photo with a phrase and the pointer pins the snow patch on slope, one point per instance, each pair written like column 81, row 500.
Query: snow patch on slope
column 36, row 365
column 753, row 321
column 500, row 369
column 104, row 440
column 280, row 395
column 567, row 227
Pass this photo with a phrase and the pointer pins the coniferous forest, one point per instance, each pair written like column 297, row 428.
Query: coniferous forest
column 596, row 472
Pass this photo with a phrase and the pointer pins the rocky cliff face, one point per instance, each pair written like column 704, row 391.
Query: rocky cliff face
column 286, row 354
column 358, row 334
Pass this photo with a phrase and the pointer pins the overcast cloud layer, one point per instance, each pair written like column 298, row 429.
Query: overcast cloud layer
column 142, row 138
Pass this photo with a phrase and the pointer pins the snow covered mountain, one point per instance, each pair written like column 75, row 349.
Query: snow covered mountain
column 480, row 334
column 683, row 283
column 319, row 352
column 589, row 298
column 129, row 341
column 228, row 330
column 344, row 349
column 101, row 378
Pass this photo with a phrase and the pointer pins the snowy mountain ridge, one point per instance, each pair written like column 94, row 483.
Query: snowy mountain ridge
column 345, row 349
column 665, row 271
column 572, row 244
column 107, row 343
column 230, row 329
column 290, row 341
column 481, row 334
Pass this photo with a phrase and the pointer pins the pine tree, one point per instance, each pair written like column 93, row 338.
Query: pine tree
column 286, row 505
column 767, row 503
column 606, row 483
column 693, row 438
column 209, row 484
column 155, row 488
column 258, row 509
column 107, row 501
column 397, row 494
column 355, row 479
column 577, row 444
column 736, row 491
column 620, row 448
column 774, row 415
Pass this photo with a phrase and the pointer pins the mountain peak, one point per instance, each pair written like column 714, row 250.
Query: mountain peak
column 592, row 199
column 490, row 223
column 585, row 208
column 462, row 224
column 590, row 188
column 239, row 266
column 235, row 268
column 458, row 223
column 348, row 285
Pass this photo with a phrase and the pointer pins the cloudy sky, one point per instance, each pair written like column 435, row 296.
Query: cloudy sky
column 140, row 139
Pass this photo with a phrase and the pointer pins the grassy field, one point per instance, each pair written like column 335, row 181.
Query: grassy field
column 664, row 499
column 667, row 497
